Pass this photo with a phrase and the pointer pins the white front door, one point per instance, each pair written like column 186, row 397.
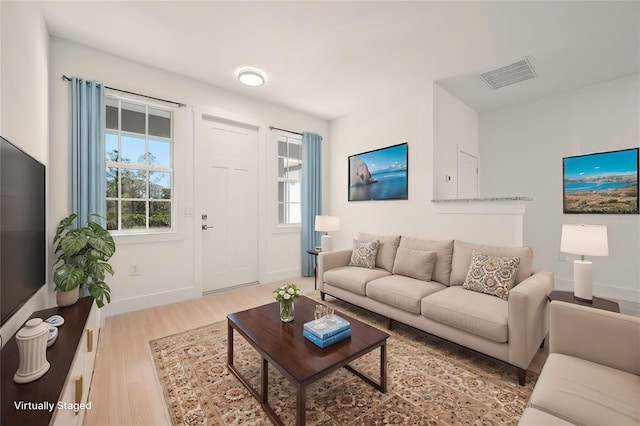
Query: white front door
column 467, row 175
column 227, row 187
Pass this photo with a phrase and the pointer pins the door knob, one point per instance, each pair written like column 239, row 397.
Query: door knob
column 205, row 227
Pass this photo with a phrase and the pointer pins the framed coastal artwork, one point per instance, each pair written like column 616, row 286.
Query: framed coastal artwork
column 380, row 174
column 601, row 183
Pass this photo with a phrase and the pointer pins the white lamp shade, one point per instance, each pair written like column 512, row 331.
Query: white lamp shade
column 585, row 240
column 327, row 223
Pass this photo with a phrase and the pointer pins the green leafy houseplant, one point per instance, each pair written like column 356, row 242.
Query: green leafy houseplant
column 83, row 255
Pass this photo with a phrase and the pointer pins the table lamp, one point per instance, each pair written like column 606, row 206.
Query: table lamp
column 585, row 240
column 327, row 224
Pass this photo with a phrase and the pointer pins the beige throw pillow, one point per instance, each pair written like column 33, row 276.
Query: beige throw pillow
column 491, row 274
column 364, row 254
column 416, row 264
column 386, row 250
column 444, row 252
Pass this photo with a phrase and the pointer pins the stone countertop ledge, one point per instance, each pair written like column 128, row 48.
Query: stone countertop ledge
column 481, row 200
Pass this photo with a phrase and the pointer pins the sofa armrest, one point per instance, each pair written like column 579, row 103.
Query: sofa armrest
column 330, row 260
column 596, row 335
column 528, row 317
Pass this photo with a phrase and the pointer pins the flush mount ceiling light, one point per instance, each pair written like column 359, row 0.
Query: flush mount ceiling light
column 251, row 77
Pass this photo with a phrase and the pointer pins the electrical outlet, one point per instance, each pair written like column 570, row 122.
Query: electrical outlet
column 134, row 270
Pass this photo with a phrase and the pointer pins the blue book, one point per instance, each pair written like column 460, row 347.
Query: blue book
column 323, row 343
column 324, row 327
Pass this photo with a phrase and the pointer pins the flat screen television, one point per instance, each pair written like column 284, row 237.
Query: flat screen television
column 23, row 228
column 601, row 183
column 380, row 174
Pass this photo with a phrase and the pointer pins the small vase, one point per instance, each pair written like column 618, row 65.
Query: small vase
column 67, row 298
column 286, row 310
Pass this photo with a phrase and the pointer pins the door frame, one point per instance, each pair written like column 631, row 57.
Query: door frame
column 198, row 114
column 466, row 150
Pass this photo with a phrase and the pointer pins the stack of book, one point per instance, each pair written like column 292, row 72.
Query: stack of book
column 327, row 331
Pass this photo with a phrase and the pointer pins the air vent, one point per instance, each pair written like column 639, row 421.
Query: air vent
column 509, row 74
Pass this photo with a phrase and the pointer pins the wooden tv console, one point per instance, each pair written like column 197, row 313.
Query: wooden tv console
column 60, row 396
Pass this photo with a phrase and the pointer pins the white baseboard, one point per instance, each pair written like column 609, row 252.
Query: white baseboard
column 602, row 290
column 122, row 306
column 280, row 275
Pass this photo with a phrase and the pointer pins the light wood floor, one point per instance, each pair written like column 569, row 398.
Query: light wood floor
column 124, row 389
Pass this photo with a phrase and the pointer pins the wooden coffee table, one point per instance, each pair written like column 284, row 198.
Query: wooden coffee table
column 301, row 362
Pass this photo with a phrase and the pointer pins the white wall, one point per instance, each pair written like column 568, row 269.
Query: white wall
column 167, row 266
column 24, row 112
column 522, row 149
column 455, row 126
column 407, row 117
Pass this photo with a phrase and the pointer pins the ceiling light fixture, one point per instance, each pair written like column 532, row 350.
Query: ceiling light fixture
column 251, row 77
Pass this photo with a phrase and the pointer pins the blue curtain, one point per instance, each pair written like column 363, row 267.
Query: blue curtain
column 88, row 164
column 311, row 188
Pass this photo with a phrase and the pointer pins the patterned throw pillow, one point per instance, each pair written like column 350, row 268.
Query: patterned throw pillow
column 491, row 274
column 364, row 253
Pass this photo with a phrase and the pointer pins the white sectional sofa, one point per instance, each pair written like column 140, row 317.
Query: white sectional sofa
column 592, row 375
column 419, row 282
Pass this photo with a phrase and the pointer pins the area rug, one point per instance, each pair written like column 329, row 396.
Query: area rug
column 430, row 382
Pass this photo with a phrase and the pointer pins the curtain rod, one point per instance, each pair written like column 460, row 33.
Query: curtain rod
column 288, row 131
column 285, row 130
column 179, row 104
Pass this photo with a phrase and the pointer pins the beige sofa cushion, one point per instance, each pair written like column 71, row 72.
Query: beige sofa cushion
column 466, row 310
column 444, row 251
column 584, row 392
column 491, row 275
column 386, row 251
column 402, row 292
column 462, row 259
column 533, row 417
column 353, row 278
column 416, row 264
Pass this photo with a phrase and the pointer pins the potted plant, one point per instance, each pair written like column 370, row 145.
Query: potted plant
column 83, row 255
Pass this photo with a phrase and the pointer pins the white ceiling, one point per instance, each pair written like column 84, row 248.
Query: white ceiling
column 332, row 58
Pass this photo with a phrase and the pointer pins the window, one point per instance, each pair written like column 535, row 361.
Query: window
column 138, row 148
column 289, row 168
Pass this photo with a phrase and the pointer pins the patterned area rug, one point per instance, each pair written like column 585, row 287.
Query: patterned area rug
column 430, row 382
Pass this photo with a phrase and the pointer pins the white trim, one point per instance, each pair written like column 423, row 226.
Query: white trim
column 471, row 152
column 287, row 229
column 119, row 166
column 142, row 100
column 145, row 301
column 145, row 237
column 481, row 207
column 200, row 114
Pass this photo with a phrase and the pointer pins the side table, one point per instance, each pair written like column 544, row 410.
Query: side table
column 597, row 302
column 315, row 253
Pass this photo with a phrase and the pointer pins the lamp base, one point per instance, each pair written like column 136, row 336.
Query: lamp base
column 325, row 242
column 582, row 280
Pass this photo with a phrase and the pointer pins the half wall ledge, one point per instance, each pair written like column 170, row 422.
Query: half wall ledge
column 489, row 205
column 473, row 213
